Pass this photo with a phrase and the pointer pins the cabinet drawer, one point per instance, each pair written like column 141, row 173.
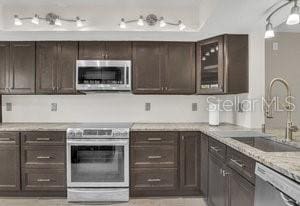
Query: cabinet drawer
column 154, row 138
column 154, row 156
column 43, row 180
column 217, row 149
column 154, row 179
column 43, row 157
column 241, row 163
column 9, row 138
column 43, row 138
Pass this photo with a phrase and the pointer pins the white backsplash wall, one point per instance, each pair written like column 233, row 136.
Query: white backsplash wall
column 107, row 107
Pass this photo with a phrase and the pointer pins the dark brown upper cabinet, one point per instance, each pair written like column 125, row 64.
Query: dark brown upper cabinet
column 98, row 50
column 190, row 147
column 222, row 65
column 163, row 68
column 56, row 67
column 17, row 67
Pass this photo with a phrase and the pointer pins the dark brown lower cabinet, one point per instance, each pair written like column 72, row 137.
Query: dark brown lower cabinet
column 10, row 161
column 217, row 187
column 241, row 192
column 204, row 165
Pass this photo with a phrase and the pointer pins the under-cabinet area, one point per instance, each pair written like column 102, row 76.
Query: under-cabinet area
column 156, row 67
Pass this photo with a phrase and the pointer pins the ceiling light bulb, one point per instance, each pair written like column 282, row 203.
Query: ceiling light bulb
column 123, row 24
column 269, row 31
column 217, row 48
column 212, row 50
column 18, row 21
column 162, row 22
column 181, row 26
column 79, row 22
column 35, row 19
column 207, row 54
column 57, row 22
column 140, row 22
column 203, row 58
column 294, row 17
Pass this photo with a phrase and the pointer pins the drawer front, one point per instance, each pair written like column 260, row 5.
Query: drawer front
column 43, row 138
column 43, row 180
column 241, row 163
column 154, row 138
column 9, row 138
column 154, row 156
column 43, row 157
column 154, row 179
column 217, row 149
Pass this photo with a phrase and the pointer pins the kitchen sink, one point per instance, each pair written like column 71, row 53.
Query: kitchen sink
column 266, row 145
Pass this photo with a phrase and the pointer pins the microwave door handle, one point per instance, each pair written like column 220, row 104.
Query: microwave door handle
column 125, row 75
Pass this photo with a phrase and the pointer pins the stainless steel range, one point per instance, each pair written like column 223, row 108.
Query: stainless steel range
column 98, row 162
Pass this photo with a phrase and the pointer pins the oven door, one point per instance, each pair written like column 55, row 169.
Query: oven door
column 98, row 163
column 103, row 75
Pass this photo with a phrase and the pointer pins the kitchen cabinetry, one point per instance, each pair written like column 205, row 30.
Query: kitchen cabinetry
column 10, row 161
column 33, row 163
column 17, row 67
column 98, row 50
column 56, row 67
column 165, row 163
column 163, row 68
column 222, row 65
column 231, row 176
column 204, row 165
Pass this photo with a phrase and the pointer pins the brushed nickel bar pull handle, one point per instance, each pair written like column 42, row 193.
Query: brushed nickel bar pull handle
column 43, row 180
column 43, row 157
column 236, row 162
column 216, row 149
column 154, row 139
column 154, row 157
column 154, row 180
column 43, row 139
column 5, row 139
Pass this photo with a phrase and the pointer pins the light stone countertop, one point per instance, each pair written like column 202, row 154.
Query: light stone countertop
column 287, row 163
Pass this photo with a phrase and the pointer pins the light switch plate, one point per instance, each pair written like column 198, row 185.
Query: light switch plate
column 53, row 107
column 8, row 106
column 147, row 106
column 194, row 107
column 275, row 46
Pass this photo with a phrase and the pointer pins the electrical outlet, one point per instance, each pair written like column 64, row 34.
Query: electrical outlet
column 275, row 46
column 147, row 106
column 53, row 107
column 8, row 106
column 194, row 107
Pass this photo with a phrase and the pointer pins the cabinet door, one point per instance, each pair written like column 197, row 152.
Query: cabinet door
column 204, row 165
column 190, row 163
column 149, row 62
column 10, row 161
column 66, row 71
column 92, row 50
column 22, row 68
column 4, row 67
column 210, row 66
column 217, row 183
column 118, row 50
column 180, row 70
column 46, row 64
column 241, row 192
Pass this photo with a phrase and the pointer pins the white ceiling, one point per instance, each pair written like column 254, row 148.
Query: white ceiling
column 203, row 18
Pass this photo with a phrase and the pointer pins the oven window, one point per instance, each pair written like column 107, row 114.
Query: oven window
column 101, row 75
column 97, row 163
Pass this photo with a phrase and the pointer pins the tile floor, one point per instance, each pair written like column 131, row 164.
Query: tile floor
column 132, row 202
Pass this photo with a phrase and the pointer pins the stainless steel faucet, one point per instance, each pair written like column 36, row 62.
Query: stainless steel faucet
column 290, row 128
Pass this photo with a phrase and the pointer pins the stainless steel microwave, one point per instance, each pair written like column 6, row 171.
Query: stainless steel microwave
column 106, row 75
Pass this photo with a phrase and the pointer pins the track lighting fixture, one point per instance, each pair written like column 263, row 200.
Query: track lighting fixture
column 293, row 18
column 151, row 20
column 50, row 18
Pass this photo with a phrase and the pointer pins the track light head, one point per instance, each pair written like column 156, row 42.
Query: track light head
column 123, row 24
column 17, row 20
column 294, row 17
column 269, row 31
column 140, row 21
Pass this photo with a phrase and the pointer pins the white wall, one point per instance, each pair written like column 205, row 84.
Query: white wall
column 108, row 108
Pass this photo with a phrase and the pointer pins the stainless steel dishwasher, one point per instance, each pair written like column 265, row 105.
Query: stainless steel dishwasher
column 274, row 189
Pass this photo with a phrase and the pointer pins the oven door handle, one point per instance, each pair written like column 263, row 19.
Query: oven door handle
column 98, row 142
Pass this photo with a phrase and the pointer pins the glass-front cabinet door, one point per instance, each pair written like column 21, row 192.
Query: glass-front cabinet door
column 210, row 66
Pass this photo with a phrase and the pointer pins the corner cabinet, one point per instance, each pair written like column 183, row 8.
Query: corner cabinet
column 56, row 67
column 163, row 68
column 17, row 67
column 222, row 65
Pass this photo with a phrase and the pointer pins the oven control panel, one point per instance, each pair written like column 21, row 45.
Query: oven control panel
column 75, row 133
